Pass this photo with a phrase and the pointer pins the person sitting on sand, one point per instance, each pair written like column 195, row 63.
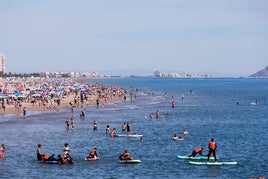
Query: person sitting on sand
column 125, row 156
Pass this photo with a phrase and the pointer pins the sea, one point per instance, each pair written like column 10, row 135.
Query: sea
column 221, row 108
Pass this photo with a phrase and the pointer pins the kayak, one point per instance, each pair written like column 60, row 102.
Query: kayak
column 129, row 135
column 184, row 157
column 212, row 163
column 129, row 161
column 92, row 159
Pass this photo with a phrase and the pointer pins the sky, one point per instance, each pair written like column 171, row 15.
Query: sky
column 135, row 37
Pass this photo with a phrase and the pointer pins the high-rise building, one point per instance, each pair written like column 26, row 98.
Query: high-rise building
column 2, row 63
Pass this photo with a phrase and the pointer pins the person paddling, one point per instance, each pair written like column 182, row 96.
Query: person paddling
column 125, row 156
column 212, row 149
column 93, row 153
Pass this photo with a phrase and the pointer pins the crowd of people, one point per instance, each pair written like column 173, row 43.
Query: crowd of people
column 20, row 95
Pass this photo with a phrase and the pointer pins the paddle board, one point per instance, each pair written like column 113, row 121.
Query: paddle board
column 128, row 135
column 184, row 157
column 50, row 162
column 129, row 161
column 92, row 159
column 212, row 163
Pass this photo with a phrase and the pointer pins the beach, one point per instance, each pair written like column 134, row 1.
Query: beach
column 20, row 95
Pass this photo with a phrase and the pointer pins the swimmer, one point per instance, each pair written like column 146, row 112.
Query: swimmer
column 185, row 132
column 175, row 137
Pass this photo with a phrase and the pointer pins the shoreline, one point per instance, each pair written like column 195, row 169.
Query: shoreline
column 41, row 94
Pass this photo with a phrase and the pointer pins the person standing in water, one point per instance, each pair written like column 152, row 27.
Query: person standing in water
column 24, row 111
column 157, row 114
column 107, row 129
column 173, row 104
column 67, row 122
column 212, row 149
column 72, row 123
column 113, row 133
column 128, row 127
column 2, row 151
column 95, row 125
column 124, row 127
column 66, row 149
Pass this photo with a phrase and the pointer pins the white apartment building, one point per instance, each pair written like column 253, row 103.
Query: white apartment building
column 2, row 63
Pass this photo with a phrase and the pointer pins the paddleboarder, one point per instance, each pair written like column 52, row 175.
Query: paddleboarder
column 198, row 150
column 125, row 156
column 212, row 149
column 93, row 153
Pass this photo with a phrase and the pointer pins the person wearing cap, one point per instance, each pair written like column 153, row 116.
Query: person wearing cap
column 93, row 153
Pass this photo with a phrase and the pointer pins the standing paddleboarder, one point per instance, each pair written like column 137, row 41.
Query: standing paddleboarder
column 212, row 149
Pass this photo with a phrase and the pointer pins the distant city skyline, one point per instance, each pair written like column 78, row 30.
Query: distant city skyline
column 135, row 37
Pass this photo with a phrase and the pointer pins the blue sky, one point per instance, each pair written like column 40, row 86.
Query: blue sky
column 125, row 37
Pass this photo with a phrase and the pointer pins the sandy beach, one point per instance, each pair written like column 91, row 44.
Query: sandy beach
column 20, row 95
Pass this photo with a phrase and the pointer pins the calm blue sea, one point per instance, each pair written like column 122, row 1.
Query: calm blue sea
column 209, row 109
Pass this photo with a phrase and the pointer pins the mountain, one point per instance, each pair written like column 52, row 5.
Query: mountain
column 261, row 74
